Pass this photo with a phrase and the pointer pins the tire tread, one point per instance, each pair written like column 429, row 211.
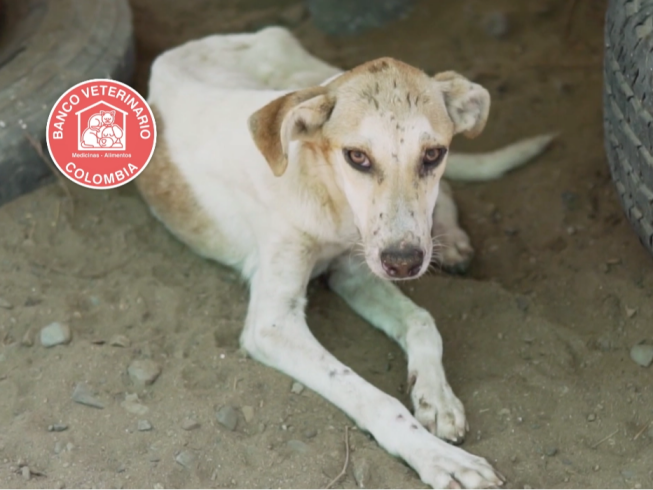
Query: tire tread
column 628, row 109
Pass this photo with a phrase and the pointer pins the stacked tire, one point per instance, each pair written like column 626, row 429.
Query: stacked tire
column 628, row 109
column 47, row 46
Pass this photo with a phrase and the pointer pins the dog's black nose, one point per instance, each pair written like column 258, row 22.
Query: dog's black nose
column 402, row 261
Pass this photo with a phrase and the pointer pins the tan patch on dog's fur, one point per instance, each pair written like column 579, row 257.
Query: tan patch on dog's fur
column 171, row 199
column 265, row 126
column 330, row 197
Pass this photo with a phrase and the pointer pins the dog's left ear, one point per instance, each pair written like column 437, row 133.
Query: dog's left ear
column 468, row 104
column 297, row 115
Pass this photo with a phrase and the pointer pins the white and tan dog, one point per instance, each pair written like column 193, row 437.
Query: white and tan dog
column 261, row 166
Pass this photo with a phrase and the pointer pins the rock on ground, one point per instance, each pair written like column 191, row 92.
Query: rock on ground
column 84, row 396
column 186, row 459
column 190, row 424
column 227, row 417
column 144, row 371
column 55, row 334
column 642, row 354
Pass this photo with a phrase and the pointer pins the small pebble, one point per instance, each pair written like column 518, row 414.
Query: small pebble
column 119, row 341
column 591, row 417
column 628, row 474
column 227, row 417
column 58, row 447
column 298, row 446
column 297, row 388
column 5, row 304
column 190, row 424
column 83, row 395
column 144, row 371
column 362, row 472
column 132, row 405
column 144, row 425
column 25, row 472
column 57, row 427
column 551, row 451
column 248, row 413
column 496, row 24
column 55, row 334
column 642, row 354
column 310, row 433
column 186, row 459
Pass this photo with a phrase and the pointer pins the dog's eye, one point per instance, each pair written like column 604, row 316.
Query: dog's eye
column 358, row 159
column 433, row 156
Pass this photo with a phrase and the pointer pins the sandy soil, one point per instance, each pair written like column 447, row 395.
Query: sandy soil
column 536, row 336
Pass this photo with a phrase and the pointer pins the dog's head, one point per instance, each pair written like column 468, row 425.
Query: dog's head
column 385, row 127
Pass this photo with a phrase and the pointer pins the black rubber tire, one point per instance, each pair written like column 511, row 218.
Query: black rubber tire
column 348, row 17
column 47, row 46
column 628, row 109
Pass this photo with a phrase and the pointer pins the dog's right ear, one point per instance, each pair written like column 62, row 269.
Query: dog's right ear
column 297, row 115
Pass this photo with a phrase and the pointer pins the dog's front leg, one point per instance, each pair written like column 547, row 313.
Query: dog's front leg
column 453, row 249
column 384, row 305
column 277, row 335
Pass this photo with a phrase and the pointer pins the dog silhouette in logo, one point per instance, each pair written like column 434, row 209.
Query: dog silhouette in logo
column 102, row 132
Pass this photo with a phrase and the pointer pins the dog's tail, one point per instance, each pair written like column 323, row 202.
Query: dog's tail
column 469, row 167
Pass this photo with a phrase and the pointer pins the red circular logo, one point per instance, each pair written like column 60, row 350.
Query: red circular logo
column 101, row 134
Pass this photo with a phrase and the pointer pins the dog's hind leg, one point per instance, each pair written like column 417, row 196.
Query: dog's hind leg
column 276, row 334
column 452, row 249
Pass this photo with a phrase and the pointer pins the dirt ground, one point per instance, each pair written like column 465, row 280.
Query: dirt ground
column 537, row 335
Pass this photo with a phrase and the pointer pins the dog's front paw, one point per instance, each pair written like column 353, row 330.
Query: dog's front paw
column 454, row 251
column 436, row 407
column 456, row 469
